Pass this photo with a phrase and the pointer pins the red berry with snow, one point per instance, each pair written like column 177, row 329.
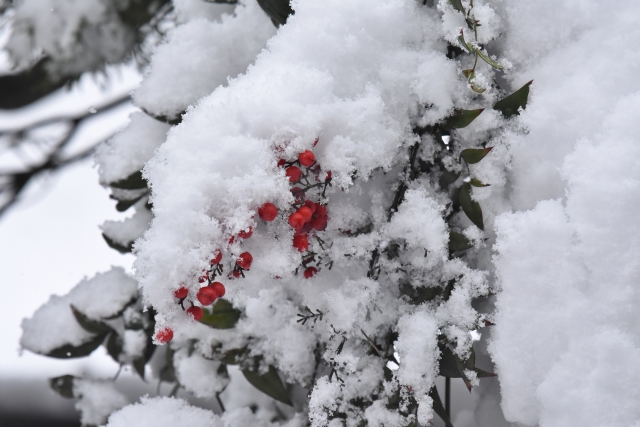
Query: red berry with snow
column 306, row 213
column 245, row 234
column 309, row 272
column 164, row 335
column 294, row 173
column 300, row 242
column 307, row 158
column 268, row 212
column 281, row 162
column 311, row 205
column 195, row 312
column 297, row 192
column 296, row 220
column 181, row 293
column 219, row 288
column 217, row 257
column 207, row 295
column 244, row 260
column 236, row 274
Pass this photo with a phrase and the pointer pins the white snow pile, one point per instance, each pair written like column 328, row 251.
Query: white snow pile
column 53, row 325
column 170, row 412
column 567, row 340
column 201, row 55
column 97, row 400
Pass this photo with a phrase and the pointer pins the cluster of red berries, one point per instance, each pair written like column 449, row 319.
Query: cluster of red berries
column 307, row 217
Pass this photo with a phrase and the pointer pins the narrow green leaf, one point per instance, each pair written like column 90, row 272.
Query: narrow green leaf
column 470, row 207
column 138, row 366
column 457, row 5
column 69, row 351
column 135, row 181
column 484, row 374
column 234, row 357
column 458, row 242
column 464, row 44
column 447, row 178
column 114, row 346
column 168, row 373
column 474, row 155
column 489, row 60
column 88, row 324
column 269, row 383
column 510, row 105
column 461, row 118
column 222, row 315
column 123, row 205
column 438, row 407
column 117, row 246
column 477, row 183
column 63, row 385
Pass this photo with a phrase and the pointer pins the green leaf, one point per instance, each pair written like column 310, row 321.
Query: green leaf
column 477, row 183
column 168, row 373
column 447, row 178
column 222, row 315
column 510, row 105
column 278, row 10
column 457, row 5
column 461, row 118
column 88, row 324
column 138, row 366
column 123, row 205
column 474, row 155
column 69, row 351
column 135, row 181
column 489, row 60
column 269, row 383
column 114, row 346
column 117, row 246
column 470, row 207
column 63, row 385
column 458, row 242
column 464, row 44
column 234, row 357
column 438, row 407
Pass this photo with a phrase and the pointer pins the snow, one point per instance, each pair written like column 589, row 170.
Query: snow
column 199, row 375
column 54, row 325
column 565, row 325
column 130, row 229
column 201, row 55
column 97, row 399
column 129, row 149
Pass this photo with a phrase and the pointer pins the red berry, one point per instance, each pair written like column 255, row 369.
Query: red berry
column 320, row 210
column 319, row 223
column 165, row 335
column 236, row 274
column 281, row 163
column 232, row 239
column 306, row 213
column 268, row 212
column 300, row 242
column 316, row 141
column 328, row 178
column 296, row 220
column 219, row 288
column 310, row 205
column 197, row 312
column 217, row 257
column 244, row 260
column 207, row 295
column 203, row 278
column 246, row 234
column 294, row 173
column 297, row 192
column 309, row 272
column 181, row 293
column 306, row 158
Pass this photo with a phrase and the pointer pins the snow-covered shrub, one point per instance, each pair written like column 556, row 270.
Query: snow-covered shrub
column 315, row 211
